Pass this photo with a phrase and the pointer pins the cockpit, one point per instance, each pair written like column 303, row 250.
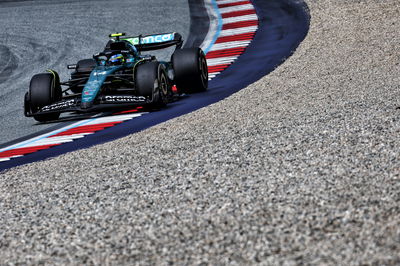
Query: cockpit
column 116, row 53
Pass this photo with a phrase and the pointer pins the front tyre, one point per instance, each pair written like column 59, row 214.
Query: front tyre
column 190, row 70
column 44, row 89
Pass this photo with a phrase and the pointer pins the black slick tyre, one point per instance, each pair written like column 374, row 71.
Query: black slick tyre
column 190, row 70
column 152, row 82
column 44, row 89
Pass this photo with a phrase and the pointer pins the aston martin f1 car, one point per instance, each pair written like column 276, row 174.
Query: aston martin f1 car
column 119, row 77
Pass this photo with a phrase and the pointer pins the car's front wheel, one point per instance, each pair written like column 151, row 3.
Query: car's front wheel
column 44, row 89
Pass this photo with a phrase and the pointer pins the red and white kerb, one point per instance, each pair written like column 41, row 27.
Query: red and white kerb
column 67, row 134
column 239, row 25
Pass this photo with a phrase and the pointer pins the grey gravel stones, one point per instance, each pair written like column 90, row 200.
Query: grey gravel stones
column 306, row 173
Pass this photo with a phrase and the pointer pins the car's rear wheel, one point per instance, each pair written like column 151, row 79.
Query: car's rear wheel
column 190, row 70
column 83, row 69
column 44, row 90
column 152, row 82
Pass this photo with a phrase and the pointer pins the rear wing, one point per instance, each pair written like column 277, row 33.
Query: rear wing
column 153, row 42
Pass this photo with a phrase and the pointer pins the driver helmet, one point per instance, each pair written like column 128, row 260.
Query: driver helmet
column 117, row 59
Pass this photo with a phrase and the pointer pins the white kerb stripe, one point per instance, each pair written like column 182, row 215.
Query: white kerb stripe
column 252, row 17
column 57, row 140
column 9, row 158
column 235, row 8
column 114, row 118
column 227, row 45
column 221, row 2
column 231, row 32
column 220, row 61
column 213, row 75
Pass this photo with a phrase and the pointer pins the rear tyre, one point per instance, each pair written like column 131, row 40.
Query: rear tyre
column 152, row 82
column 44, row 89
column 83, row 69
column 190, row 70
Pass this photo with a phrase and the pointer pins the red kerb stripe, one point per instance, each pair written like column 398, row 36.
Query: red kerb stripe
column 217, row 68
column 225, row 52
column 240, row 24
column 126, row 112
column 238, row 37
column 26, row 150
column 238, row 13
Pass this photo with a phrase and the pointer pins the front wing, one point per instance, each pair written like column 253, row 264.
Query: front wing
column 103, row 103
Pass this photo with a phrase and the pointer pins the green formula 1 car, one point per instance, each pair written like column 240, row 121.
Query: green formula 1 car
column 119, row 77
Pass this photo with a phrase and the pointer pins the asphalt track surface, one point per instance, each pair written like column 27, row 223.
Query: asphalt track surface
column 42, row 34
column 301, row 167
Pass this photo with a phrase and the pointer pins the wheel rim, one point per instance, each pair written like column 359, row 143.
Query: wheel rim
column 163, row 85
column 203, row 68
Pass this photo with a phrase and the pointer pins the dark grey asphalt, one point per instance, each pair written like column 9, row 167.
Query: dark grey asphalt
column 36, row 35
